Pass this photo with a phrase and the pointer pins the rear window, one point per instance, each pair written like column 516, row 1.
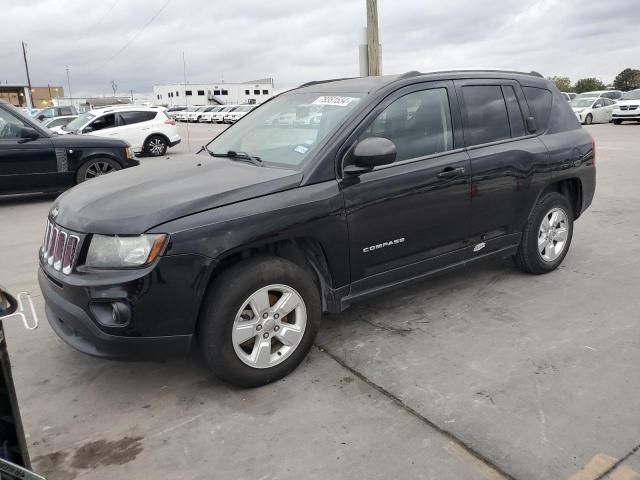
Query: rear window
column 539, row 101
column 486, row 114
column 127, row 118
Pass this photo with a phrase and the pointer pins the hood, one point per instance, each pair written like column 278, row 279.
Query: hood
column 627, row 102
column 86, row 141
column 134, row 200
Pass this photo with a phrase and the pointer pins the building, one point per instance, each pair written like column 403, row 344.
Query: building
column 84, row 104
column 253, row 92
column 18, row 95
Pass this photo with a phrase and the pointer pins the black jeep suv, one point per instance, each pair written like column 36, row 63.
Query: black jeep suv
column 368, row 184
column 35, row 160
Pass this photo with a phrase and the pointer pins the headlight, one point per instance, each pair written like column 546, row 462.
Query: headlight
column 129, row 153
column 106, row 251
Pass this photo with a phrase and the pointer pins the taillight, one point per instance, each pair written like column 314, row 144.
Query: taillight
column 170, row 121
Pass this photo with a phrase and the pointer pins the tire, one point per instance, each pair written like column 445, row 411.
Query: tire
column 588, row 120
column 156, row 145
column 617, row 122
column 96, row 167
column 227, row 320
column 534, row 259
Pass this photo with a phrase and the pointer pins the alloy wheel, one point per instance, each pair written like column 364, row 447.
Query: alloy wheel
column 553, row 234
column 97, row 169
column 156, row 146
column 269, row 326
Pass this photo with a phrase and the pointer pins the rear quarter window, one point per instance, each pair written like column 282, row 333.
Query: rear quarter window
column 539, row 101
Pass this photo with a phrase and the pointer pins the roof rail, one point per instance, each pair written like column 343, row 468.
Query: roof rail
column 412, row 73
column 316, row 82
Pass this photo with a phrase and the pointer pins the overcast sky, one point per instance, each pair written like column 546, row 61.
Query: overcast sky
column 299, row 40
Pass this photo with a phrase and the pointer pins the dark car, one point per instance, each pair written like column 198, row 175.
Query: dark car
column 33, row 159
column 241, row 248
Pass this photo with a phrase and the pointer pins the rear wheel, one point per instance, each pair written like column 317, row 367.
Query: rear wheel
column 156, row 146
column 547, row 235
column 258, row 321
column 96, row 168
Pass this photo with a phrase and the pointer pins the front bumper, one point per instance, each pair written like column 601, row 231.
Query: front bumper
column 635, row 115
column 163, row 307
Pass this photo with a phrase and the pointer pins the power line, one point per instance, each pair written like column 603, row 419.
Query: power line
column 90, row 29
column 164, row 5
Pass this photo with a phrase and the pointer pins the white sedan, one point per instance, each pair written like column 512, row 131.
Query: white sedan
column 593, row 110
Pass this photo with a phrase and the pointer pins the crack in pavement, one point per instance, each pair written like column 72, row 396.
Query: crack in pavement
column 417, row 414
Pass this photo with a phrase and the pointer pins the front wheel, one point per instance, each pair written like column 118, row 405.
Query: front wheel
column 547, row 235
column 156, row 146
column 617, row 122
column 96, row 168
column 258, row 321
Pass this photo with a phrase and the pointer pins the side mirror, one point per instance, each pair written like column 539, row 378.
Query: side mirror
column 8, row 304
column 531, row 125
column 370, row 153
column 27, row 134
column 87, row 129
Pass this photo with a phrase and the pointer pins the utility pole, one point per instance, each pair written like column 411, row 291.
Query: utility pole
column 373, row 41
column 26, row 67
column 69, row 85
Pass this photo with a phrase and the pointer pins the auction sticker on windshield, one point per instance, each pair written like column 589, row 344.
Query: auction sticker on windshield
column 333, row 100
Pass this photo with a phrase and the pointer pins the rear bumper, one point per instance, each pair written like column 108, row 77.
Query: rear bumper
column 174, row 141
column 74, row 326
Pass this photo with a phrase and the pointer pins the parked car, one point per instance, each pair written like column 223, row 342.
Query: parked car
column 237, row 113
column 627, row 108
column 58, row 121
column 34, row 160
column 173, row 111
column 182, row 116
column 240, row 248
column 194, row 116
column 593, row 109
column 218, row 117
column 52, row 112
column 147, row 129
column 208, row 115
column 612, row 94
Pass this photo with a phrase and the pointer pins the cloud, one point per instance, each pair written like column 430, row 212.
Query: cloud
column 295, row 41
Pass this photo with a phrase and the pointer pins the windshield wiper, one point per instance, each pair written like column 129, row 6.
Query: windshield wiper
column 239, row 156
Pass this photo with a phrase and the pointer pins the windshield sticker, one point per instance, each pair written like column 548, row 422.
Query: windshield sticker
column 333, row 100
column 301, row 149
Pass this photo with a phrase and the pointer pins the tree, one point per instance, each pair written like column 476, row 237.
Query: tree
column 563, row 83
column 588, row 85
column 627, row 79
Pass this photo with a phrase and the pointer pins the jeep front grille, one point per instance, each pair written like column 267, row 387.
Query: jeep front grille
column 59, row 248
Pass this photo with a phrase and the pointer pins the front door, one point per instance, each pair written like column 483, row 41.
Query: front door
column 25, row 166
column 412, row 216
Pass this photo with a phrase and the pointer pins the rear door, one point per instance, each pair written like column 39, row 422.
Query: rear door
column 412, row 216
column 508, row 164
column 29, row 166
column 135, row 126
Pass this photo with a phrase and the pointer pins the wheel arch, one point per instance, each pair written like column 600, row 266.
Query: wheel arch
column 97, row 155
column 305, row 252
column 571, row 188
column 155, row 134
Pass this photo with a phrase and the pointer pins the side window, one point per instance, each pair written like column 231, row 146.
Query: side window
column 66, row 111
column 486, row 114
column 418, row 123
column 128, row 118
column 9, row 126
column 599, row 103
column 539, row 101
column 105, row 121
column 515, row 113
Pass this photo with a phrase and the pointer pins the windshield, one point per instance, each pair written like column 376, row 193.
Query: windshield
column 243, row 109
column 632, row 95
column 79, row 122
column 582, row 102
column 281, row 131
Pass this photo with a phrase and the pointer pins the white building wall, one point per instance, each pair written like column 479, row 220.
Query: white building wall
column 207, row 93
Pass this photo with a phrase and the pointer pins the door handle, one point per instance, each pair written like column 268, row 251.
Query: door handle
column 451, row 172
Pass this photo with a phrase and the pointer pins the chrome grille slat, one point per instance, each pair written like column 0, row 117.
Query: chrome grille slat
column 60, row 248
